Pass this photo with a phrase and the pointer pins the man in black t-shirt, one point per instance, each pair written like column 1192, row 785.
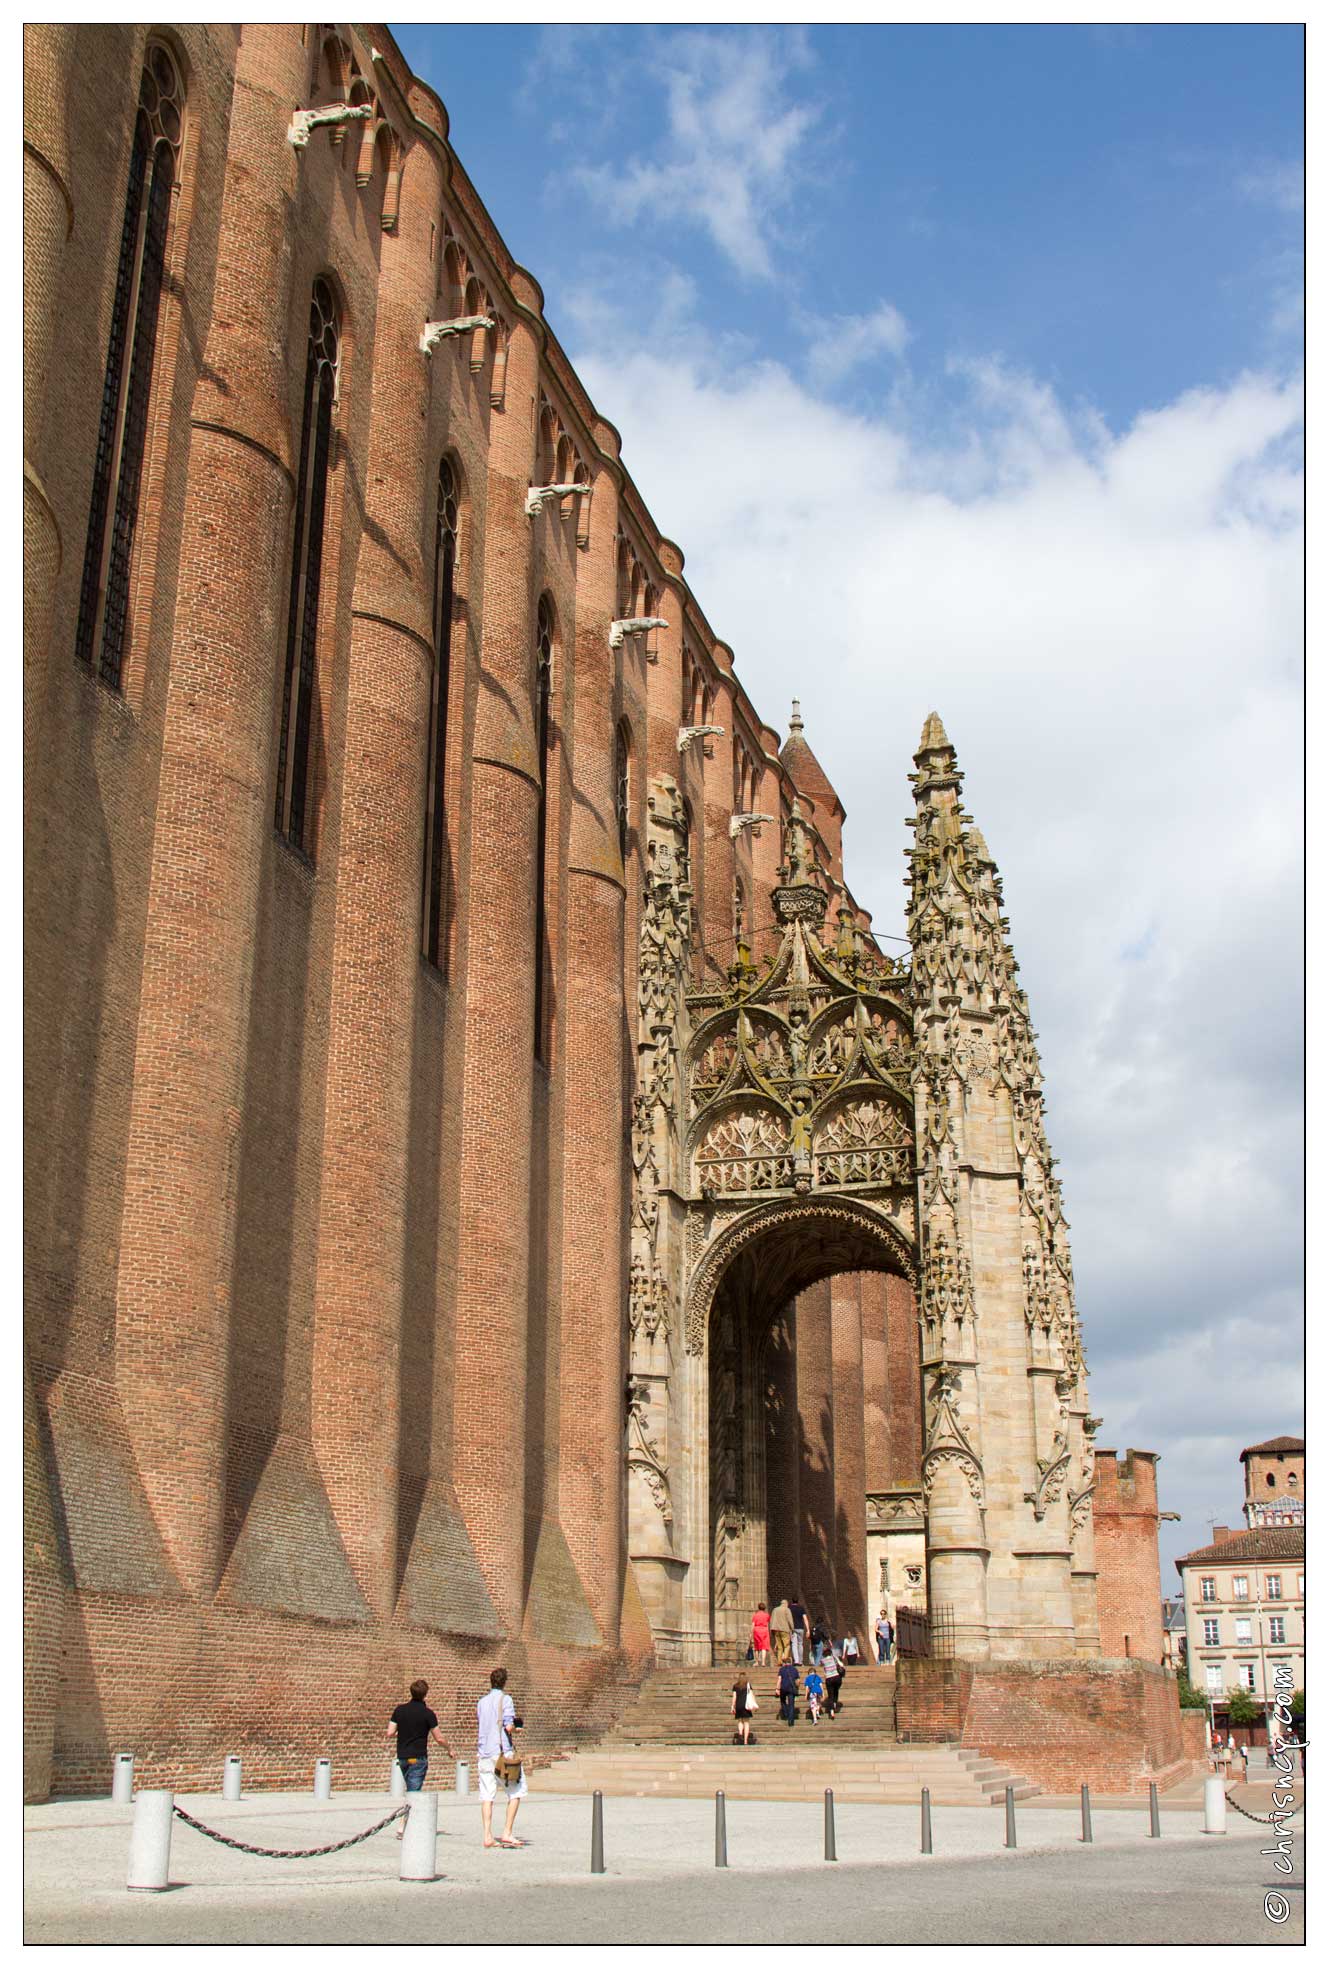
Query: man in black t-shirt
column 798, row 1614
column 413, row 1723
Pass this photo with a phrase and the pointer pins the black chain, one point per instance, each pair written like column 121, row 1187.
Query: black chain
column 1261, row 1818
column 287, row 1852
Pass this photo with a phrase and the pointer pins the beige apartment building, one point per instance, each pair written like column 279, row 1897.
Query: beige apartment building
column 1244, row 1595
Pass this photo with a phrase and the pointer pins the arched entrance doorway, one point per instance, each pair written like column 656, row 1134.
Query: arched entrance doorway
column 831, row 1113
column 773, row 1152
column 814, row 1412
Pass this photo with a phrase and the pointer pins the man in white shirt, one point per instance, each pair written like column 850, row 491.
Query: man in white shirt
column 496, row 1718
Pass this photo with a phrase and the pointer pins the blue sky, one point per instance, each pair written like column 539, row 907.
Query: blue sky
column 965, row 366
column 1108, row 206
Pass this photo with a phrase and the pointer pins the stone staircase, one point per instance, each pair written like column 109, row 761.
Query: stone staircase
column 676, row 1741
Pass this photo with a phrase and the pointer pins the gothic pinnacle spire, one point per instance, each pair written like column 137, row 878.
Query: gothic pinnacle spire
column 934, row 737
column 795, row 720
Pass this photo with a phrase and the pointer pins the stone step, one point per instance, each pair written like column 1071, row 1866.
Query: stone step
column 757, row 1758
column 785, row 1791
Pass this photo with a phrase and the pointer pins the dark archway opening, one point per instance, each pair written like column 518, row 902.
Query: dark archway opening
column 815, row 1409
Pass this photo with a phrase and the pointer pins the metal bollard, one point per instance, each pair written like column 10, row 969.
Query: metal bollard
column 1010, row 1815
column 1086, row 1823
column 122, row 1778
column 323, row 1777
column 926, row 1845
column 463, row 1780
column 150, row 1842
column 1215, row 1805
column 597, row 1832
column 397, row 1782
column 231, row 1778
column 419, row 1846
column 721, row 1837
column 830, row 1824
column 1155, row 1827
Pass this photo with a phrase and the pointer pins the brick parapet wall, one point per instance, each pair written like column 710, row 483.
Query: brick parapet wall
column 1114, row 1725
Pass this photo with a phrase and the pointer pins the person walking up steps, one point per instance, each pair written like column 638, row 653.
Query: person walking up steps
column 742, row 1702
column 761, row 1635
column 798, row 1622
column 780, row 1628
column 833, row 1665
column 788, row 1685
column 814, row 1688
column 496, row 1718
column 885, row 1635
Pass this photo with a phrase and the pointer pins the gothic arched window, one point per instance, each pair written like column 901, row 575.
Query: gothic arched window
column 544, row 666
column 434, row 902
column 103, row 613
column 311, row 498
column 623, row 789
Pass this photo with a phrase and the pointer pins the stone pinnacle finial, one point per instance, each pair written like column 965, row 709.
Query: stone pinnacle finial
column 934, row 737
column 795, row 720
column 978, row 847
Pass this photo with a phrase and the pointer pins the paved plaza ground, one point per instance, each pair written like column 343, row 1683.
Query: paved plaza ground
column 660, row 1883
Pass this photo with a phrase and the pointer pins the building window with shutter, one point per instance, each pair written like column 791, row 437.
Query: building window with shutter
column 1211, row 1633
column 122, row 427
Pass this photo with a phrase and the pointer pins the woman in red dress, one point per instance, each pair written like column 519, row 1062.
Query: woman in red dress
column 761, row 1635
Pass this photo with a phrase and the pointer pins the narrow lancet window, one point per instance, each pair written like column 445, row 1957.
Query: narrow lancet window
column 311, row 498
column 122, row 429
column 434, row 911
column 623, row 790
column 544, row 664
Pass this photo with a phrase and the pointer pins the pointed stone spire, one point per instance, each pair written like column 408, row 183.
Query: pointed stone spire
column 934, row 737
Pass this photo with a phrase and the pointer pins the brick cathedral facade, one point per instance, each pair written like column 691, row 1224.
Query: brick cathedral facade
column 485, row 1189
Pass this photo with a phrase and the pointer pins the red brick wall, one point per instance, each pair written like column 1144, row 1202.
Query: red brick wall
column 1110, row 1725
column 182, row 1687
column 1130, row 1594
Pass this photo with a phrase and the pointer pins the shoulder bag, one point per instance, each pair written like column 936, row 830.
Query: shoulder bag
column 507, row 1769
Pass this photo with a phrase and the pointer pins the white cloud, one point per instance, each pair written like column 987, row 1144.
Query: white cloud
column 727, row 158
column 841, row 343
column 1110, row 627
column 1280, row 185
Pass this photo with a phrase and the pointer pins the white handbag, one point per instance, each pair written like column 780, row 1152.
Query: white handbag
column 752, row 1702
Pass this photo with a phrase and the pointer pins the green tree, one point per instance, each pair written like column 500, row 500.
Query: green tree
column 1298, row 1708
column 1242, row 1706
column 1188, row 1695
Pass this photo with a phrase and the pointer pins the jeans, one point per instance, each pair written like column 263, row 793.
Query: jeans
column 413, row 1770
column 789, row 1707
column 817, row 1647
column 881, row 1650
column 796, row 1641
